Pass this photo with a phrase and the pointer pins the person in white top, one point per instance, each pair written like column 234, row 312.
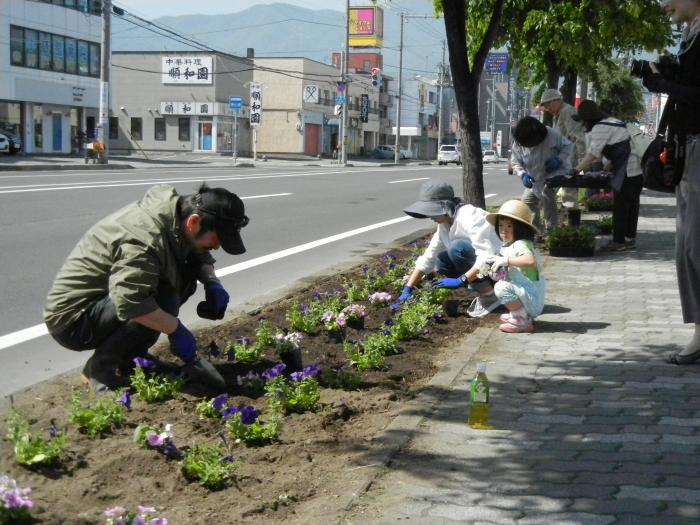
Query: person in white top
column 463, row 239
column 609, row 137
column 539, row 152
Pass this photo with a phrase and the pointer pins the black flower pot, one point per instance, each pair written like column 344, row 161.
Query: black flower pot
column 574, row 218
column 572, row 251
column 356, row 324
column 451, row 307
column 336, row 336
column 292, row 359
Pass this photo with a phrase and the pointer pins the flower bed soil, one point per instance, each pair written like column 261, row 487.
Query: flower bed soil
column 304, row 478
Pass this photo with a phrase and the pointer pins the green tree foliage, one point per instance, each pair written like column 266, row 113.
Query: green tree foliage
column 618, row 94
column 550, row 38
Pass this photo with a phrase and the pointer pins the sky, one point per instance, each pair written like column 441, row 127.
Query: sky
column 156, row 8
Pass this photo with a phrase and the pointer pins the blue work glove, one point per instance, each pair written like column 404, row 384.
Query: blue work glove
column 405, row 294
column 450, row 282
column 217, row 299
column 183, row 344
column 528, row 181
column 552, row 164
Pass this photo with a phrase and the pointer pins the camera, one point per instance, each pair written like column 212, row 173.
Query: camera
column 667, row 66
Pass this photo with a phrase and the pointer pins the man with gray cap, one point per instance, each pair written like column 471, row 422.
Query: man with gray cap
column 539, row 152
column 562, row 118
column 464, row 238
column 124, row 282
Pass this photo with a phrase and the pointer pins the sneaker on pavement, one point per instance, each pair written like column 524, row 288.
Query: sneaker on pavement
column 631, row 242
column 505, row 318
column 518, row 325
column 481, row 308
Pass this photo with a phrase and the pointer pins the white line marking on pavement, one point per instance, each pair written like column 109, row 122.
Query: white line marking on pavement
column 489, row 195
column 40, row 330
column 269, row 195
column 304, row 247
column 406, row 180
column 21, row 336
column 147, row 182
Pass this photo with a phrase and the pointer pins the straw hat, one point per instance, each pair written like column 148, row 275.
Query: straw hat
column 513, row 209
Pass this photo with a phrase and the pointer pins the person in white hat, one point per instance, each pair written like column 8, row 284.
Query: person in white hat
column 553, row 103
column 521, row 289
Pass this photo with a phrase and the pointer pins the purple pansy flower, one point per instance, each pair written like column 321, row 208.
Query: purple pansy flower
column 248, row 414
column 304, row 309
column 53, row 430
column 296, row 376
column 243, row 341
column 144, row 363
column 219, row 402
column 125, row 399
column 228, row 412
column 114, row 512
column 311, row 371
column 274, row 371
column 155, row 440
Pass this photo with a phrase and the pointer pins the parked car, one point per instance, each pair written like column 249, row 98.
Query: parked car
column 449, row 153
column 386, row 151
column 490, row 155
column 10, row 143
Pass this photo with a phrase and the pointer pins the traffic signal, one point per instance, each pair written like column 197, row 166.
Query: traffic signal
column 376, row 77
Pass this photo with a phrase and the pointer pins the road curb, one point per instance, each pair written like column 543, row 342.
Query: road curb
column 398, row 434
column 67, row 167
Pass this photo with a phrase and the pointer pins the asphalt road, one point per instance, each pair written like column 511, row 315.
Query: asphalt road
column 304, row 220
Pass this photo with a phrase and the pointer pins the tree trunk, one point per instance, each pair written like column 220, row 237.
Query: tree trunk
column 568, row 88
column 465, row 82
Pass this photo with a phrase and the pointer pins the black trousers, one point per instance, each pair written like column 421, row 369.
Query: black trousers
column 626, row 209
column 117, row 342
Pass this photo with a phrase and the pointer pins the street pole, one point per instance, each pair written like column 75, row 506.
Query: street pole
column 235, row 136
column 493, row 111
column 105, row 57
column 398, row 103
column 442, row 83
column 344, row 145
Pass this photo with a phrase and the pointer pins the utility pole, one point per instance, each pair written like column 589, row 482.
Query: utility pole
column 442, row 83
column 106, row 59
column 344, row 145
column 397, row 144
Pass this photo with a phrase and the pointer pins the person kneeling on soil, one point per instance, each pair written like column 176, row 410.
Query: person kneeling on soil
column 124, row 282
column 463, row 237
column 522, row 289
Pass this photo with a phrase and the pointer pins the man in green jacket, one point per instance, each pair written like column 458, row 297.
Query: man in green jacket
column 124, row 282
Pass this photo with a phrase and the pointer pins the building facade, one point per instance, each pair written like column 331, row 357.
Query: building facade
column 419, row 117
column 49, row 72
column 179, row 101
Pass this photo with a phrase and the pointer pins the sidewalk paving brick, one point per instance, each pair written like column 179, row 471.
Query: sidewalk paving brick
column 591, row 426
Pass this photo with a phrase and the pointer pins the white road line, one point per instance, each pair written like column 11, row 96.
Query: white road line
column 40, row 330
column 489, row 195
column 264, row 196
column 406, row 180
column 148, row 182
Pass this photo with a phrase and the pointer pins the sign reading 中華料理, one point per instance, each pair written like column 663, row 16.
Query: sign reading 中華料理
column 187, row 69
column 255, row 104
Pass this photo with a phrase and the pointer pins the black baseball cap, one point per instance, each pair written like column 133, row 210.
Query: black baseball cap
column 229, row 216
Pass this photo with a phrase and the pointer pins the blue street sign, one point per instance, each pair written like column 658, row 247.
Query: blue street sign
column 496, row 63
column 235, row 102
column 340, row 100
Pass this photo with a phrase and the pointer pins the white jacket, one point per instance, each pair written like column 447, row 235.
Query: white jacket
column 469, row 224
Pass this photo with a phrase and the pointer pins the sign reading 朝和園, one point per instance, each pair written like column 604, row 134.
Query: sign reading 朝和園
column 187, row 69
column 255, row 104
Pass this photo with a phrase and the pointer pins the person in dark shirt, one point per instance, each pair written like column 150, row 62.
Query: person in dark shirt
column 683, row 89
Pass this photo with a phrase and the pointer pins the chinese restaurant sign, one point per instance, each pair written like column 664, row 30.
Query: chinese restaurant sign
column 255, row 104
column 187, row 69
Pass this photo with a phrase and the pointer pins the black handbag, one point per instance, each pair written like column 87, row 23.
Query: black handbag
column 657, row 174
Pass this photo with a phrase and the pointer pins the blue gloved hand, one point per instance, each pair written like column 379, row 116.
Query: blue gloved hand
column 450, row 282
column 552, row 164
column 217, row 299
column 528, row 181
column 183, row 344
column 405, row 294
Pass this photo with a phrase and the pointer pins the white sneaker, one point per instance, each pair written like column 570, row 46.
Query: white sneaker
column 480, row 308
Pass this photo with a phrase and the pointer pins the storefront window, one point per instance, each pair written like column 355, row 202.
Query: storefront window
column 71, row 56
column 113, row 128
column 38, row 128
column 59, row 62
column 70, row 3
column 159, row 129
column 31, row 48
column 82, row 57
column 183, row 129
column 16, row 45
column 137, row 128
column 94, row 60
column 44, row 50
column 83, row 5
column 11, row 118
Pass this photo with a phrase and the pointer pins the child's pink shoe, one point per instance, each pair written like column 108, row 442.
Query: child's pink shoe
column 518, row 325
column 505, row 318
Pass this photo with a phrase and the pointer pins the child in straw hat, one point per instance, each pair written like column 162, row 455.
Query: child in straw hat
column 522, row 288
